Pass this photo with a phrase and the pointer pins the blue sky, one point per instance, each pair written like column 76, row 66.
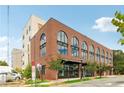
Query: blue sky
column 92, row 21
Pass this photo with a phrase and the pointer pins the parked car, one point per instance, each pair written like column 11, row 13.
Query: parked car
column 13, row 76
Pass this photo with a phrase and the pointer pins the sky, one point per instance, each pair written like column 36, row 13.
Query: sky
column 92, row 21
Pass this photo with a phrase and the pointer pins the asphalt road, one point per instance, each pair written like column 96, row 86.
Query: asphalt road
column 113, row 81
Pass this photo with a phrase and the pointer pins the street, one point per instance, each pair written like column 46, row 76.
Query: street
column 110, row 81
column 113, row 81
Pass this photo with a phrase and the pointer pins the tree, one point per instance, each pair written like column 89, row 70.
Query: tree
column 118, row 61
column 103, row 68
column 56, row 65
column 91, row 68
column 118, row 21
column 3, row 63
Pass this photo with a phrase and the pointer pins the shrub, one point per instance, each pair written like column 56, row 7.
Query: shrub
column 27, row 73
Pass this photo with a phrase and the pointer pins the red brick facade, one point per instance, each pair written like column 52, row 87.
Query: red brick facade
column 51, row 28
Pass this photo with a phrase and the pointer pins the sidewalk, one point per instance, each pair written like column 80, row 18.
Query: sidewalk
column 59, row 81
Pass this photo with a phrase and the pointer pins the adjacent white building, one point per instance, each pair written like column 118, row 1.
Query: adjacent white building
column 17, row 58
column 31, row 28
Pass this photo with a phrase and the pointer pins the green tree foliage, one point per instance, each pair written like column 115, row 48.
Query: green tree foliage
column 27, row 73
column 118, row 21
column 91, row 67
column 55, row 64
column 3, row 63
column 118, row 61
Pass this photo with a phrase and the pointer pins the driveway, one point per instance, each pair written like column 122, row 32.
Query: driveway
column 112, row 81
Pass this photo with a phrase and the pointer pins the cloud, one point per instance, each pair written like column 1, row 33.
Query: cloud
column 104, row 24
column 3, row 47
column 3, row 40
column 3, row 53
column 13, row 43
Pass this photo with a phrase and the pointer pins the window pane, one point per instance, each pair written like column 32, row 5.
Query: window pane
column 43, row 45
column 74, row 46
column 62, row 43
column 91, row 53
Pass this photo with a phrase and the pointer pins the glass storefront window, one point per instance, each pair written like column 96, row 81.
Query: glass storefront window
column 70, row 70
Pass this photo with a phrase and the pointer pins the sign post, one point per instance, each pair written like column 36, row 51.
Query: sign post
column 33, row 71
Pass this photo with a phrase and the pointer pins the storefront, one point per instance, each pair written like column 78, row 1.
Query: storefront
column 70, row 70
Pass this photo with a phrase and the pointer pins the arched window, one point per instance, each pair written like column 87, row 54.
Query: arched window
column 98, row 55
column 43, row 44
column 103, row 56
column 74, row 46
column 62, row 43
column 91, row 53
column 107, row 57
column 84, row 50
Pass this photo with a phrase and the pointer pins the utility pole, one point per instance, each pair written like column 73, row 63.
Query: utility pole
column 8, row 34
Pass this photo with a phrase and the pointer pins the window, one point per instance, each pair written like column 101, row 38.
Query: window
column 26, row 32
column 62, row 43
column 69, row 70
column 23, row 37
column 74, row 46
column 29, row 28
column 98, row 55
column 28, row 47
column 91, row 53
column 110, row 58
column 106, row 57
column 23, row 46
column 84, row 50
column 103, row 56
column 29, row 38
column 43, row 45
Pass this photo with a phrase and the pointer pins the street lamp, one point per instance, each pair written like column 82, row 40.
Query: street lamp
column 81, row 69
column 82, row 63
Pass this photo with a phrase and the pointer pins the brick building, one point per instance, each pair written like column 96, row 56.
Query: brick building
column 56, row 40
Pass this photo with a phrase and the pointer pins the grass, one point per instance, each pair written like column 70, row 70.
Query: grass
column 77, row 80
column 37, row 81
column 41, row 85
column 60, row 83
column 99, row 77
